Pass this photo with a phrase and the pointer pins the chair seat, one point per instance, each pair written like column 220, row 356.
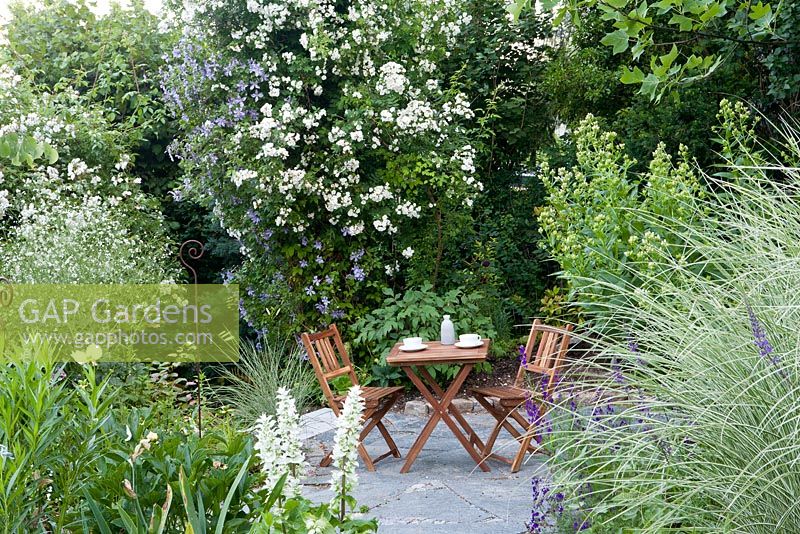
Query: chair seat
column 507, row 396
column 372, row 395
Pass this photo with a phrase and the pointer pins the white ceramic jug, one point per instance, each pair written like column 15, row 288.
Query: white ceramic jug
column 448, row 331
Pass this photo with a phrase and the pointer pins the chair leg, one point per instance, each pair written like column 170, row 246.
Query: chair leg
column 524, row 423
column 487, row 449
column 523, row 448
column 391, row 401
column 362, row 451
column 388, row 439
column 326, row 460
column 372, row 418
column 503, row 421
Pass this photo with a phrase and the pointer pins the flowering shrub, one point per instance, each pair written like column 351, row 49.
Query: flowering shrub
column 109, row 58
column 600, row 222
column 278, row 445
column 83, row 244
column 77, row 215
column 345, row 451
column 319, row 135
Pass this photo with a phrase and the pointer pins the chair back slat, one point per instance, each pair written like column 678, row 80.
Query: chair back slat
column 330, row 360
column 327, row 356
column 548, row 356
column 544, row 355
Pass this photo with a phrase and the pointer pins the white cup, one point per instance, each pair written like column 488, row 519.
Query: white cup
column 412, row 341
column 469, row 338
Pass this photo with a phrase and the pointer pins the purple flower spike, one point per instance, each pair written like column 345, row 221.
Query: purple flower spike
column 760, row 338
column 616, row 370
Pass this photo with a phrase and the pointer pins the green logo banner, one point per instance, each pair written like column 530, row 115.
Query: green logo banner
column 125, row 323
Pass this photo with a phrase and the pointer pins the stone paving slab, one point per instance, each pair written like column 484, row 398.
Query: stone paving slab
column 317, row 422
column 444, row 492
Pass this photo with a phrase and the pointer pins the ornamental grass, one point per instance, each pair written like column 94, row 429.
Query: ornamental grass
column 697, row 428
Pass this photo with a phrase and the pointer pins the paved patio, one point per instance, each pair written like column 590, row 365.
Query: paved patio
column 444, row 492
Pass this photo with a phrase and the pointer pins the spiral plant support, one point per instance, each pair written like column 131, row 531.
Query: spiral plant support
column 193, row 250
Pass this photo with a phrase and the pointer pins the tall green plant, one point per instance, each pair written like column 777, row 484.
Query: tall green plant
column 603, row 222
column 675, row 42
column 702, row 431
column 44, row 424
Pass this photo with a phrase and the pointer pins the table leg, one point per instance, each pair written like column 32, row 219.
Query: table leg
column 473, row 436
column 440, row 411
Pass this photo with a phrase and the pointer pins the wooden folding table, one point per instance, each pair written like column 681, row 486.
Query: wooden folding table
column 414, row 364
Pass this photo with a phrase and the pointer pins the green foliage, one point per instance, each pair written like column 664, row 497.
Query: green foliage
column 507, row 264
column 109, row 64
column 501, row 64
column 74, row 212
column 19, row 149
column 250, row 387
column 297, row 514
column 207, row 480
column 72, row 459
column 494, row 249
column 676, row 42
column 593, row 222
column 698, row 429
column 556, row 308
column 582, row 78
column 44, row 424
column 418, row 313
column 110, row 60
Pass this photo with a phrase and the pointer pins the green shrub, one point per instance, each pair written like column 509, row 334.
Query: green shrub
column 52, row 435
column 144, row 471
column 81, row 215
column 72, row 460
column 495, row 251
column 417, row 312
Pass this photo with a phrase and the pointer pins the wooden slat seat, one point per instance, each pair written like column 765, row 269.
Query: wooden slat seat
column 503, row 401
column 372, row 395
column 330, row 360
column 510, row 396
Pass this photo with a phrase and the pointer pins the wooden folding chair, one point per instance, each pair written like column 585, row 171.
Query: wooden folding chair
column 504, row 402
column 330, row 360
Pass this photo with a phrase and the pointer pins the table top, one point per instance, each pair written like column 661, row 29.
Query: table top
column 436, row 353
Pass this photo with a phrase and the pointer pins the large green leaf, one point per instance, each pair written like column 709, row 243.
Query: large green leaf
column 618, row 40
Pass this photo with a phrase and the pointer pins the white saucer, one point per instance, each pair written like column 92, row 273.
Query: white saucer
column 413, row 348
column 468, row 344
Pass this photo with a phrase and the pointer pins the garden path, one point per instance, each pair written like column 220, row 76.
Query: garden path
column 444, row 492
